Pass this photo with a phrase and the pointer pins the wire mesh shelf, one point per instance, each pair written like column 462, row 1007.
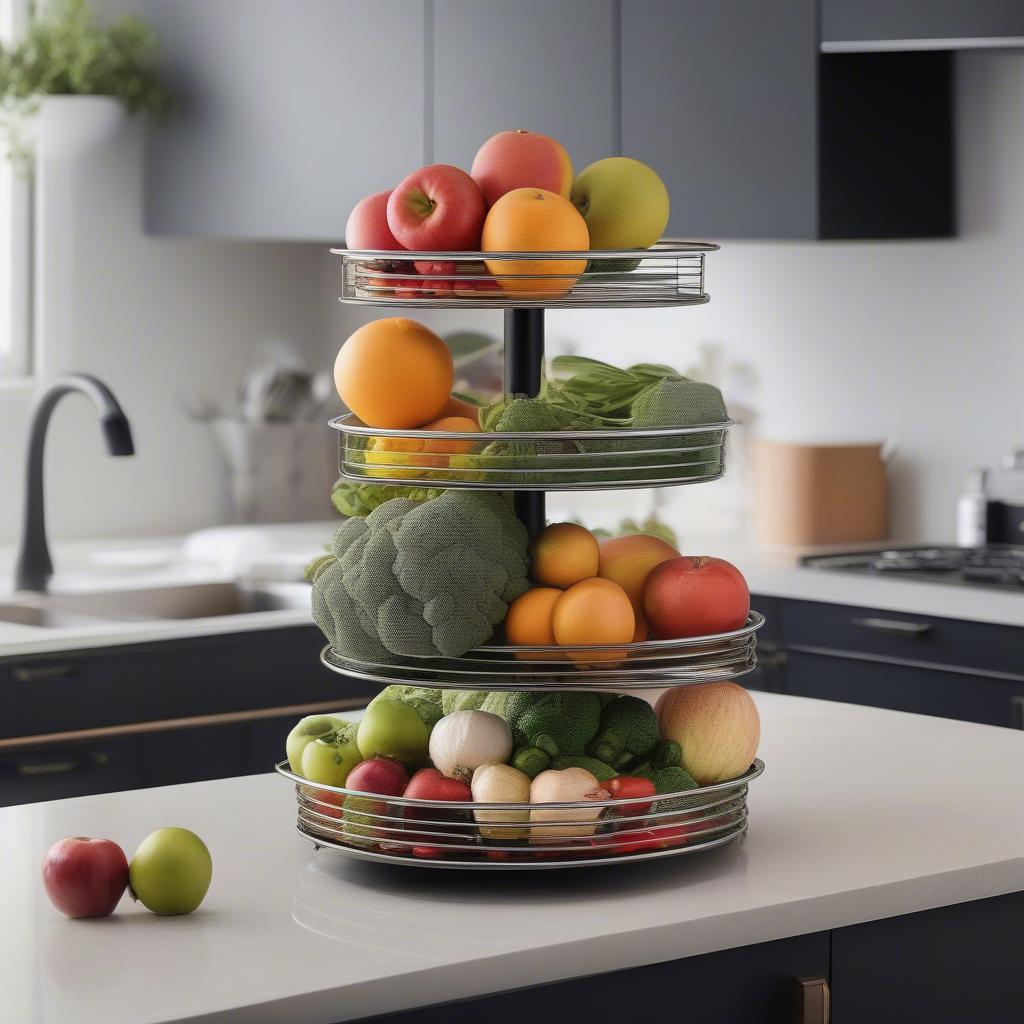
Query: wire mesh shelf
column 669, row 273
column 518, row 836
column 648, row 664
column 566, row 460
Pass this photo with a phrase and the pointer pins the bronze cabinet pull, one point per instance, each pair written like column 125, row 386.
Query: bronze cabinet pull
column 812, row 1001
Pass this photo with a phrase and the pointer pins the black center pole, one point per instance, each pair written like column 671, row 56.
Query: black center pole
column 524, row 363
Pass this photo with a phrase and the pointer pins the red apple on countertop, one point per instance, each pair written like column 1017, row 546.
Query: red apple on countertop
column 437, row 208
column 695, row 596
column 367, row 226
column 85, row 877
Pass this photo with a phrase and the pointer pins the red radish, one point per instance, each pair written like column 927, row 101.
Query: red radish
column 695, row 596
column 623, row 786
column 430, row 784
column 85, row 877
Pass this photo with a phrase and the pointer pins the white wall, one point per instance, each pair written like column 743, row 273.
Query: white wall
column 921, row 343
column 157, row 319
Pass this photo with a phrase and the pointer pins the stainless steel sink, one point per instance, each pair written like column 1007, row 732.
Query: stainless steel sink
column 42, row 617
column 186, row 601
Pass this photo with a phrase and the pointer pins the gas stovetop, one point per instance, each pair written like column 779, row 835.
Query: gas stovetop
column 992, row 566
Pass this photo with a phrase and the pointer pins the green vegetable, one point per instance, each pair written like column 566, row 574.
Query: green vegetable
column 569, row 719
column 531, row 761
column 601, row 771
column 462, row 700
column 628, row 724
column 422, row 579
column 352, row 499
column 426, row 703
column 624, row 759
column 65, row 51
column 672, row 780
column 547, row 744
column 667, row 754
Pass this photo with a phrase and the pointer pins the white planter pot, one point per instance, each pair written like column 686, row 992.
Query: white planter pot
column 69, row 126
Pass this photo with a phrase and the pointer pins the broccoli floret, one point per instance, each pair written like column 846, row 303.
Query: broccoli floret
column 628, row 724
column 422, row 579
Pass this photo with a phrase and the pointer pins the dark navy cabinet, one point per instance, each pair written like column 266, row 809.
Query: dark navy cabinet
column 972, row 671
column 187, row 710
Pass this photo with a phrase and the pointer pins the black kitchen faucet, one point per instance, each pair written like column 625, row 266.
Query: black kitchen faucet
column 34, row 567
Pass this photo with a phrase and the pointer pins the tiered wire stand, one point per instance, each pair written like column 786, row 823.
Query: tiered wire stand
column 535, row 836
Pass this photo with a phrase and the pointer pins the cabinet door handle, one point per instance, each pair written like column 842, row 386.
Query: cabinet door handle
column 61, row 763
column 1017, row 712
column 813, row 1001
column 47, row 670
column 902, row 627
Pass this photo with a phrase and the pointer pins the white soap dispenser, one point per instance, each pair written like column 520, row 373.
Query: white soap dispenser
column 972, row 511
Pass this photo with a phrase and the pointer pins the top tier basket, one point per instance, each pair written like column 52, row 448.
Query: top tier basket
column 670, row 273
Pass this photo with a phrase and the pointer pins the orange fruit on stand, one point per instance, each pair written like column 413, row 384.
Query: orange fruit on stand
column 534, row 220
column 563, row 554
column 528, row 622
column 394, row 373
column 455, row 424
column 590, row 613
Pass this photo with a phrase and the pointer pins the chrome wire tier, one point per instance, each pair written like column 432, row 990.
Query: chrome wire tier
column 670, row 273
column 649, row 664
column 445, row 834
column 565, row 460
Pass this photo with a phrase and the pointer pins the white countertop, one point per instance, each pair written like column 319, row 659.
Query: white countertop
column 861, row 814
column 770, row 573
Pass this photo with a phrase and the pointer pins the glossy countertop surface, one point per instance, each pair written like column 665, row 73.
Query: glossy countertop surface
column 861, row 814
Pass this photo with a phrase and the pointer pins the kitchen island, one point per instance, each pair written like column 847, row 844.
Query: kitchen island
column 861, row 815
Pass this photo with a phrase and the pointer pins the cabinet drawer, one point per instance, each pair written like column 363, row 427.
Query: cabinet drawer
column 194, row 755
column 81, row 769
column 173, row 679
column 808, row 625
column 925, row 691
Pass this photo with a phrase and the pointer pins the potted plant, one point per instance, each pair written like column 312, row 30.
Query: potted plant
column 78, row 76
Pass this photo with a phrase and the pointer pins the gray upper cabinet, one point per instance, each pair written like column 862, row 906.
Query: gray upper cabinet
column 546, row 66
column 720, row 99
column 288, row 113
column 865, row 25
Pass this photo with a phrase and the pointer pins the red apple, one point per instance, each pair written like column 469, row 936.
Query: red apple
column 85, row 877
column 378, row 775
column 367, row 225
column 521, row 159
column 430, row 784
column 695, row 596
column 438, row 207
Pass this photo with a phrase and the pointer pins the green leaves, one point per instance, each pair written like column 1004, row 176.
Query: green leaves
column 67, row 52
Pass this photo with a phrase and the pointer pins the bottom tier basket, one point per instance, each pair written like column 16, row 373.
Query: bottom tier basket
column 503, row 837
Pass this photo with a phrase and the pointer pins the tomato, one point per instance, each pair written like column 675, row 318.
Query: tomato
column 623, row 786
column 630, row 842
column 428, row 852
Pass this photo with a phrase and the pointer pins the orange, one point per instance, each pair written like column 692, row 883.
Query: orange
column 592, row 612
column 563, row 554
column 528, row 622
column 459, row 424
column 534, row 220
column 394, row 373
column 628, row 561
column 457, row 407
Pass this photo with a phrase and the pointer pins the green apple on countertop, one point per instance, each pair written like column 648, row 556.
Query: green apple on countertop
column 307, row 730
column 623, row 201
column 171, row 871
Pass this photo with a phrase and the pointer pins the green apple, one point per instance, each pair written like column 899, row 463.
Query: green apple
column 623, row 201
column 329, row 759
column 171, row 871
column 392, row 728
column 307, row 730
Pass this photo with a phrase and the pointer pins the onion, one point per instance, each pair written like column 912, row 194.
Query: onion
column 569, row 785
column 464, row 740
column 501, row 784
